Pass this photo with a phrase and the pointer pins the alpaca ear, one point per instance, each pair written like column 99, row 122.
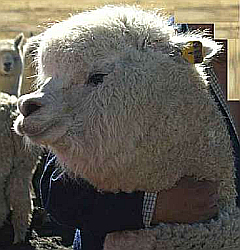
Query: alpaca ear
column 201, row 50
column 193, row 52
column 210, row 47
column 196, row 48
column 18, row 41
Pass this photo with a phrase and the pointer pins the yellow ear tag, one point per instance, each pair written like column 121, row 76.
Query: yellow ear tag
column 193, row 52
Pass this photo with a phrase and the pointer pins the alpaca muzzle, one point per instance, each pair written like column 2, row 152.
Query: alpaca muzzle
column 7, row 67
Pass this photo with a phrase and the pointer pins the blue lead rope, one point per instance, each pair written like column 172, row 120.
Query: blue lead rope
column 50, row 161
column 77, row 241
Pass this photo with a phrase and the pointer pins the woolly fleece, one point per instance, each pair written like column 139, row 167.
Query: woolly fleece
column 16, row 171
column 120, row 107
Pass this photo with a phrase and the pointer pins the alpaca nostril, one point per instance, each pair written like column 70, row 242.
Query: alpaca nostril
column 7, row 66
column 28, row 107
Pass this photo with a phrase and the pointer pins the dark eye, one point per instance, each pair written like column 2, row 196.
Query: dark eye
column 96, row 79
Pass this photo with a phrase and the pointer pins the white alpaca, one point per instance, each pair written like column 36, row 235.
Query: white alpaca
column 11, row 64
column 120, row 106
column 16, row 167
column 16, row 171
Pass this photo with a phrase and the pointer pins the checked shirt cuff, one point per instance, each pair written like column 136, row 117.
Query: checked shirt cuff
column 149, row 202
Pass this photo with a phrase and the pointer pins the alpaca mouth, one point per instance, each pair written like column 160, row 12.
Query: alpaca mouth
column 6, row 73
column 37, row 119
column 24, row 126
column 43, row 132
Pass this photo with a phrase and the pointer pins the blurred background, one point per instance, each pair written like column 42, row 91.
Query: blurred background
column 32, row 16
column 26, row 15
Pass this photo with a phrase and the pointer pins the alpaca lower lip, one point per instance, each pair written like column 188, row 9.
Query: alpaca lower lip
column 6, row 73
column 25, row 127
column 31, row 132
column 7, row 69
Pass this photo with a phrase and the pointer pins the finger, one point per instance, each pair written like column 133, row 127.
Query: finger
column 205, row 211
column 209, row 186
column 201, row 215
column 209, row 215
column 212, row 187
column 205, row 206
column 207, row 193
column 214, row 198
column 206, row 201
column 193, row 218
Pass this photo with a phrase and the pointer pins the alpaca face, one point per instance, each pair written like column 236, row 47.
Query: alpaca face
column 10, row 61
column 7, row 62
column 10, row 56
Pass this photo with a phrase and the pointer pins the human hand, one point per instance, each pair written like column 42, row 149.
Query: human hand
column 190, row 201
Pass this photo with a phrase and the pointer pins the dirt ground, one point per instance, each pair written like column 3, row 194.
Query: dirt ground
column 43, row 234
column 47, row 236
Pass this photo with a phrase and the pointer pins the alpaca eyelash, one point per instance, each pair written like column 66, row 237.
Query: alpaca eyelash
column 96, row 79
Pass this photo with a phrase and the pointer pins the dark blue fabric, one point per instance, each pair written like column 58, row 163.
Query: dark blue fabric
column 77, row 204
column 77, row 240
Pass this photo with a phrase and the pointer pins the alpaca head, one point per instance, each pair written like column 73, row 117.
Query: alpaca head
column 10, row 55
column 106, row 86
